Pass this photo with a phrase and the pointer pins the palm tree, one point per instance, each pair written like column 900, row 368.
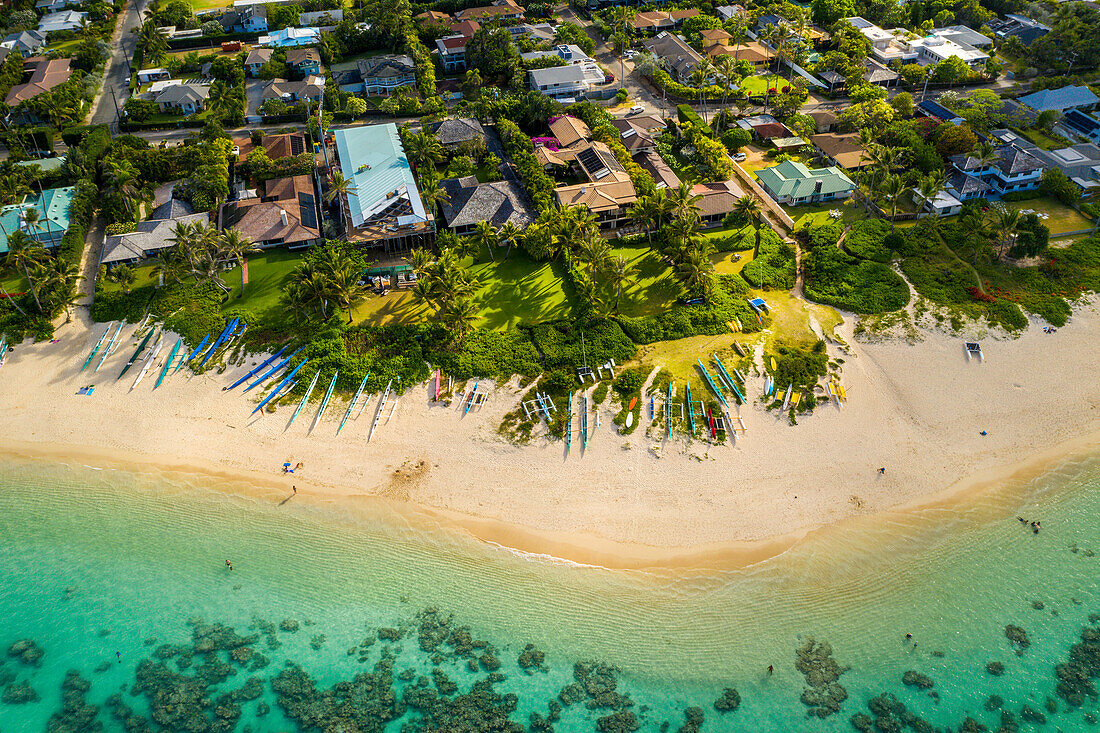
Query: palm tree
column 169, row 265
column 236, row 246
column 432, row 193
column 508, row 234
column 420, row 259
column 345, row 285
column 13, row 188
column 696, row 271
column 339, row 188
column 618, row 275
column 683, row 200
column 485, row 234
column 424, row 149
column 120, row 181
column 986, row 154
column 595, row 252
column 27, row 255
column 747, row 208
column 930, row 187
column 61, row 276
column 643, row 213
column 152, row 41
column 683, row 235
column 699, row 78
column 891, row 188
column 739, row 32
column 459, row 317
column 725, row 66
column 1006, row 221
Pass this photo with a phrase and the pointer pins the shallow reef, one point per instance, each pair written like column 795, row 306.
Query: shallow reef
column 823, row 694
column 219, row 681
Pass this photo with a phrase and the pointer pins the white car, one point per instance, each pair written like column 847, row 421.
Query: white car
column 739, row 157
column 636, row 110
column 630, row 53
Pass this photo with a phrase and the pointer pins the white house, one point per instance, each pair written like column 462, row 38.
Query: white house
column 147, row 75
column 321, row 17
column 65, row 20
column 566, row 82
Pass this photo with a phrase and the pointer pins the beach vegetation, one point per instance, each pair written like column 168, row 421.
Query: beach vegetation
column 837, row 277
column 798, row 364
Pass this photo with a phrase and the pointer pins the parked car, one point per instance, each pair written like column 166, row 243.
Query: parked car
column 636, row 110
column 608, row 78
column 739, row 157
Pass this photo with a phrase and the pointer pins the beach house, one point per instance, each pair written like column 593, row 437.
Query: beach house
column 303, row 62
column 185, row 99
column 609, row 192
column 255, row 59
column 496, row 202
column 382, row 206
column 52, row 208
column 792, row 182
column 500, row 10
column 287, row 214
column 1018, row 26
column 149, row 237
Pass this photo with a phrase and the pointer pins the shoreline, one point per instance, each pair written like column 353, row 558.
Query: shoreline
column 584, row 550
column 631, row 502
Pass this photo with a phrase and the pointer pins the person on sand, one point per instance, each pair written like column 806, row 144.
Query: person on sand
column 295, row 489
column 882, row 471
column 771, row 670
column 983, row 433
column 300, row 464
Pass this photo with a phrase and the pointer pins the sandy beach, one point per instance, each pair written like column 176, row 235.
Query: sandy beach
column 915, row 408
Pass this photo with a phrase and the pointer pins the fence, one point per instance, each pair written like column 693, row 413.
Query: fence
column 773, row 208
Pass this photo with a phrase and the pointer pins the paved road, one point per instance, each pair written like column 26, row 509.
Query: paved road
column 116, row 78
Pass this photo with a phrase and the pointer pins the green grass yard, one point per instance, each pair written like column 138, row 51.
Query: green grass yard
column 1058, row 217
column 519, row 290
column 756, row 85
column 819, row 213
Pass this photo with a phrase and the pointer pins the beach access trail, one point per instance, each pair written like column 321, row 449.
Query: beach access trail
column 916, row 409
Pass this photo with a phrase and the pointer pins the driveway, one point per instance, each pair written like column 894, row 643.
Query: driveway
column 254, row 88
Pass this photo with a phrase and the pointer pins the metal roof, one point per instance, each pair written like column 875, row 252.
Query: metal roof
column 373, row 158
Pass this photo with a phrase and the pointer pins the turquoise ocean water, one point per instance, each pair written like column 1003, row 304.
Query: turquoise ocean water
column 336, row 619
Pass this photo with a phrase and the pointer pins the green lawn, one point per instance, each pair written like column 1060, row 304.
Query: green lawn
column 267, row 275
column 819, row 213
column 64, row 48
column 511, row 291
column 519, row 290
column 756, row 85
column 1057, row 216
column 652, row 288
column 12, row 281
column 1040, row 138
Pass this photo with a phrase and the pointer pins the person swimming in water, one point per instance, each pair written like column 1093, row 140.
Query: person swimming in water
column 229, row 564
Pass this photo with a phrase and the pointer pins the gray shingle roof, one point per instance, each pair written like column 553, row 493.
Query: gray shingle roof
column 496, row 203
column 452, row 132
column 149, row 237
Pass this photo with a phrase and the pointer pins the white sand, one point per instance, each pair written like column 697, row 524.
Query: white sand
column 916, row 409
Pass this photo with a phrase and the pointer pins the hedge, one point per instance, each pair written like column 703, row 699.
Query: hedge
column 520, row 149
column 773, row 268
column 727, row 302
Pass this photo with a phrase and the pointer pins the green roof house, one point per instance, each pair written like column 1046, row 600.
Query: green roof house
column 793, row 183
column 53, row 217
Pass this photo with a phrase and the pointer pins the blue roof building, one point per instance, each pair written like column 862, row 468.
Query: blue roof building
column 53, row 217
column 932, row 108
column 1061, row 100
column 383, row 207
column 291, row 37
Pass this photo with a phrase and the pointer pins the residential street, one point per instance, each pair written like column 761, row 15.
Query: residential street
column 116, row 77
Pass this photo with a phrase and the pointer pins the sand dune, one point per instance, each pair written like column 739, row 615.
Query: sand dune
column 916, row 409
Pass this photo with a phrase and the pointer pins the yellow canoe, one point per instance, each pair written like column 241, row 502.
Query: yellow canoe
column 795, row 398
column 774, row 365
column 843, row 394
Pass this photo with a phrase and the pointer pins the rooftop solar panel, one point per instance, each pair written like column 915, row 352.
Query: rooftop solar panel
column 308, row 210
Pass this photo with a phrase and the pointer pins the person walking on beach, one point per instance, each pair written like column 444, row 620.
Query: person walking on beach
column 295, row 489
column 882, row 471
